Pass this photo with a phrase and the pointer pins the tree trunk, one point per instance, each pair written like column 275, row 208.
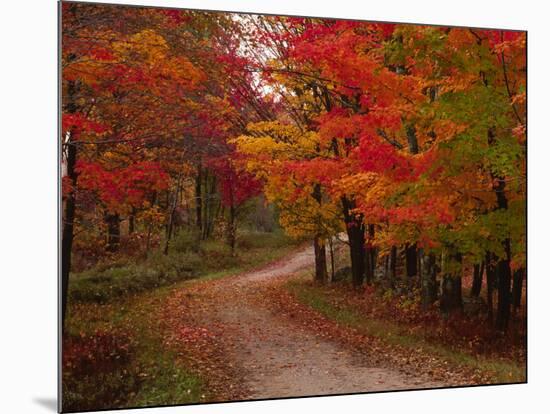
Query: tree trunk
column 387, row 278
column 504, row 278
column 318, row 244
column 198, row 197
column 69, row 214
column 370, row 256
column 213, row 208
column 477, row 280
column 451, row 293
column 205, row 206
column 331, row 246
column 320, row 260
column 393, row 265
column 173, row 208
column 411, row 139
column 369, row 275
column 451, row 290
column 517, row 288
column 503, row 270
column 113, row 232
column 68, row 230
column 231, row 227
column 491, row 281
column 419, row 260
column 411, row 260
column 132, row 221
column 428, row 281
column 356, row 238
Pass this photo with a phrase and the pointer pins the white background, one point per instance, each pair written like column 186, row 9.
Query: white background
column 28, row 227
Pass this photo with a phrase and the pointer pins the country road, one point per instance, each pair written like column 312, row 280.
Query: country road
column 278, row 357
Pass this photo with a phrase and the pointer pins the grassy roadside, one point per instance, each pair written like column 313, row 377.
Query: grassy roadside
column 187, row 259
column 317, row 298
column 114, row 355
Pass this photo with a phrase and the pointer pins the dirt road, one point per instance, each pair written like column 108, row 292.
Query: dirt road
column 278, row 357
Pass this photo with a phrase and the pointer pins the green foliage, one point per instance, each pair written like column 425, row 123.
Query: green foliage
column 187, row 259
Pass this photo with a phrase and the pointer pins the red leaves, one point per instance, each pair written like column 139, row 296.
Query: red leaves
column 237, row 185
column 174, row 16
column 101, row 53
column 98, row 352
column 386, row 29
column 497, row 37
column 121, row 188
column 77, row 124
column 320, row 171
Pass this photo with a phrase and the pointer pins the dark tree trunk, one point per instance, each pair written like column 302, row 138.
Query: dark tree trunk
column 393, row 265
column 411, row 260
column 419, row 260
column 171, row 217
column 113, row 232
column 370, row 256
column 198, row 197
column 356, row 238
column 369, row 275
column 517, row 288
column 320, row 260
column 132, row 221
column 491, row 281
column 150, row 226
column 504, row 279
column 428, row 280
column 411, row 139
column 231, row 225
column 213, row 208
column 69, row 214
column 451, row 293
column 331, row 246
column 357, row 253
column 503, row 270
column 318, row 245
column 205, row 206
column 477, row 280
column 231, row 230
column 451, row 290
column 68, row 230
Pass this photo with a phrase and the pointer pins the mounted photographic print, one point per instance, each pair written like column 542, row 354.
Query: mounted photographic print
column 261, row 206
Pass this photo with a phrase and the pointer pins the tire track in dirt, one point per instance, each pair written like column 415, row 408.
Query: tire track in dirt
column 277, row 357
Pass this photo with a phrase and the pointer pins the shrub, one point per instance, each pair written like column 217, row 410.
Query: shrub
column 97, row 371
column 187, row 259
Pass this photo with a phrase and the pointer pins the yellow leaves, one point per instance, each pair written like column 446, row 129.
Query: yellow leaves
column 277, row 140
column 153, row 215
column 458, row 83
column 181, row 70
column 358, row 183
column 146, row 45
column 260, row 145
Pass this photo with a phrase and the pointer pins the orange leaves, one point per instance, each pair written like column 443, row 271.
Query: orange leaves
column 520, row 132
column 446, row 129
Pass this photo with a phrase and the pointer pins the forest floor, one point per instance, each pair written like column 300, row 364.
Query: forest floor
column 250, row 337
column 259, row 330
